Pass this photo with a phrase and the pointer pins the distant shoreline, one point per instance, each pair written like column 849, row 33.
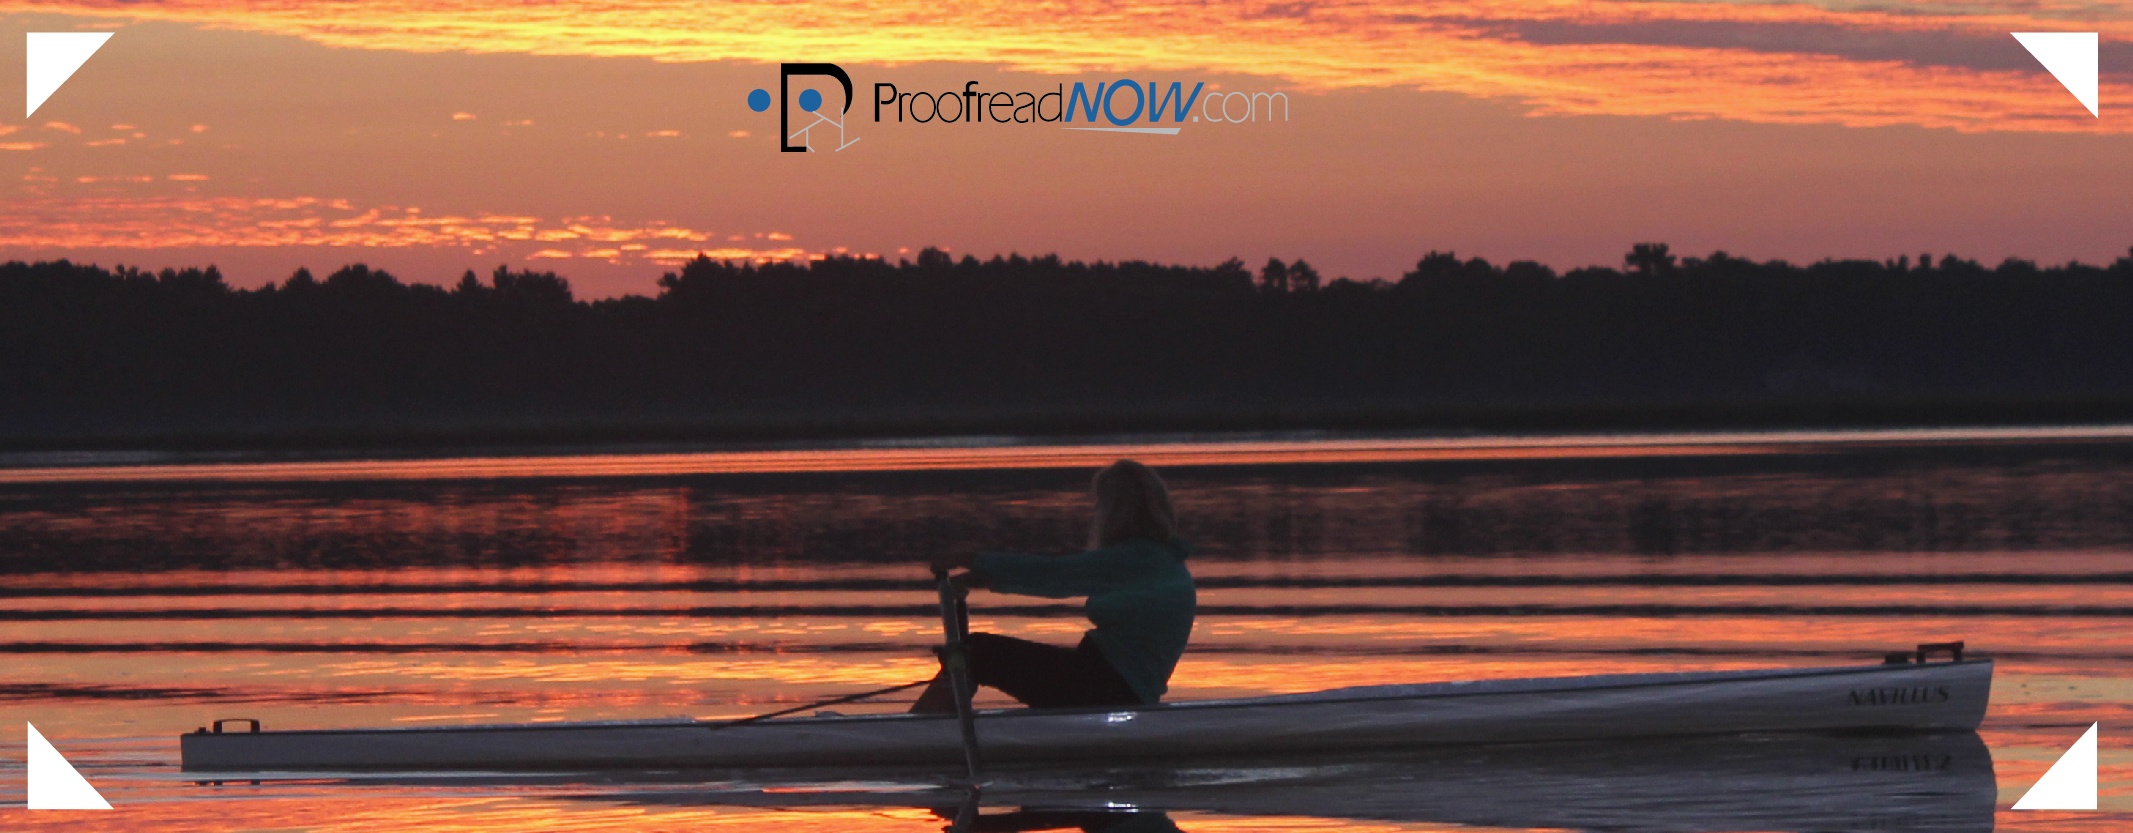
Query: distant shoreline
column 856, row 350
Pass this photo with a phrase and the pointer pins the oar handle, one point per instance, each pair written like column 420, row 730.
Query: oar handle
column 955, row 659
column 960, row 621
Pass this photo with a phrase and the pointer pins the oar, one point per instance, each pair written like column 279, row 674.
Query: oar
column 833, row 701
column 955, row 659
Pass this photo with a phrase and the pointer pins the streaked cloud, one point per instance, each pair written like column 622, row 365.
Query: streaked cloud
column 172, row 222
column 68, row 135
column 1936, row 64
column 1952, row 47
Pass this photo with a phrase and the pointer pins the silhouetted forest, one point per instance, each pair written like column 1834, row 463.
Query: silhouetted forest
column 95, row 357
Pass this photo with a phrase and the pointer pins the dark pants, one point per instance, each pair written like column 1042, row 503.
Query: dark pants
column 1048, row 676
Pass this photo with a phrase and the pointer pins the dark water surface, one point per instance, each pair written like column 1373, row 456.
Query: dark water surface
column 135, row 608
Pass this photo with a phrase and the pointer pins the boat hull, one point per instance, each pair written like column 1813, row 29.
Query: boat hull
column 1909, row 697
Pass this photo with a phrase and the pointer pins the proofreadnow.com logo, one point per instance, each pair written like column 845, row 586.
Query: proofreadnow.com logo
column 1124, row 105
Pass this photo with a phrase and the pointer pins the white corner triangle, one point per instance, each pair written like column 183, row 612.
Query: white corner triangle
column 53, row 58
column 54, row 785
column 2071, row 783
column 2069, row 57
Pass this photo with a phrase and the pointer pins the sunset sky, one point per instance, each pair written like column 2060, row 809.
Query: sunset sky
column 607, row 141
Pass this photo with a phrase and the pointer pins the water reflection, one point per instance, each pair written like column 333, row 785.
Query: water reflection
column 648, row 528
column 131, row 612
column 1807, row 783
column 1087, row 821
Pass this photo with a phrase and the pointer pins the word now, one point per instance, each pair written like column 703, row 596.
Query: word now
column 1120, row 102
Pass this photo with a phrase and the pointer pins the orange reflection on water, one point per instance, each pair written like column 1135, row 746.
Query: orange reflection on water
column 357, row 813
column 531, row 613
column 516, row 672
column 350, row 810
column 542, row 579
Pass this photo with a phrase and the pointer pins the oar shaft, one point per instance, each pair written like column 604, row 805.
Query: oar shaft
column 833, row 701
column 955, row 659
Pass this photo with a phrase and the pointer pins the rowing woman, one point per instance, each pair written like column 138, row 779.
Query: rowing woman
column 1140, row 598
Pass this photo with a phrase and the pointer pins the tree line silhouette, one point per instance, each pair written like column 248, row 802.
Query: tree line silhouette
column 844, row 346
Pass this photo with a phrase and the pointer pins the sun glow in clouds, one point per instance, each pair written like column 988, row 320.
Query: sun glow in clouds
column 1853, row 64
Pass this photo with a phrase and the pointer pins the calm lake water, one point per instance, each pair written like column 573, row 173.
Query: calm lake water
column 137, row 603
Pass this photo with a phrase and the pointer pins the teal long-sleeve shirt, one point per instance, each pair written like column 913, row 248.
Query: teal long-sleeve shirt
column 1141, row 600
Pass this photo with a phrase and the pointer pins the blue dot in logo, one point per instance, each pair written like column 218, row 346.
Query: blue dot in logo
column 759, row 100
column 810, row 101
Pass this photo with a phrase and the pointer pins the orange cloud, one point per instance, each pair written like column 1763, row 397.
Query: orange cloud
column 245, row 222
column 1851, row 63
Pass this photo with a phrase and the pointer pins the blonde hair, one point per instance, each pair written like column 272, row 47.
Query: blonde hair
column 1131, row 502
